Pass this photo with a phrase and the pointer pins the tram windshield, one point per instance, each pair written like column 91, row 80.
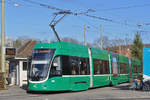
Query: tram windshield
column 41, row 60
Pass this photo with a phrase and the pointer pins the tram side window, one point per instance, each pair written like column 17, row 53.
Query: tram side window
column 135, row 69
column 140, row 69
column 84, row 66
column 56, row 66
column 75, row 65
column 66, row 66
column 123, row 68
column 100, row 67
column 106, row 65
column 79, row 66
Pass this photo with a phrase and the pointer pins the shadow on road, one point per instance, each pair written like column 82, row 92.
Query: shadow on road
column 25, row 87
column 122, row 87
column 47, row 92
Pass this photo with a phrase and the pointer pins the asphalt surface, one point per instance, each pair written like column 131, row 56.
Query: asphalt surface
column 119, row 92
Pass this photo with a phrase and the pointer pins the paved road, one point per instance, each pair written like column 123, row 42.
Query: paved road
column 104, row 93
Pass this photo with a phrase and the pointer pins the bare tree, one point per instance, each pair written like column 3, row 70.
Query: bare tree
column 9, row 42
column 67, row 39
column 106, row 42
column 20, row 41
column 112, row 43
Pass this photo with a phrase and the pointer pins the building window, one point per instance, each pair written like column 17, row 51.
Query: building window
column 24, row 66
column 100, row 66
column 123, row 68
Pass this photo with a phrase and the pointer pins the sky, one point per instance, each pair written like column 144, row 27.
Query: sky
column 32, row 20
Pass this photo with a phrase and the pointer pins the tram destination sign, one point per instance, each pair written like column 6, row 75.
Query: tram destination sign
column 42, row 50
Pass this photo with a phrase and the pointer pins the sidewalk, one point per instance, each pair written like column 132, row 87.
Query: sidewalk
column 12, row 90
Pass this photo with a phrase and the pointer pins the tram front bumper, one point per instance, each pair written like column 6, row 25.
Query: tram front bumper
column 38, row 87
column 53, row 84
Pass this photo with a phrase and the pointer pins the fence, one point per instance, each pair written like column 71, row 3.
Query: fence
column 2, row 81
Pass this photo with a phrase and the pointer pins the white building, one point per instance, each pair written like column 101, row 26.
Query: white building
column 18, row 71
column 18, row 65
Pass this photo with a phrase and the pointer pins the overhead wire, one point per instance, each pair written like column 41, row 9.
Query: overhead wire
column 94, row 26
column 85, row 13
column 125, row 7
column 110, row 20
column 70, row 12
column 100, row 18
column 126, row 20
column 43, row 5
column 82, row 19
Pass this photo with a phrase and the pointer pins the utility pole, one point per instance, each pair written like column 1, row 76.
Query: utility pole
column 3, row 40
column 101, row 37
column 85, row 43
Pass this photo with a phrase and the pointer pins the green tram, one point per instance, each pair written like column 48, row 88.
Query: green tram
column 64, row 66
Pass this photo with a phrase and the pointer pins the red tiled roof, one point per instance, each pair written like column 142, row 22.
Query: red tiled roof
column 27, row 49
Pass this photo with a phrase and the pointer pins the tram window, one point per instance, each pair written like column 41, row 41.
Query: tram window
column 106, row 65
column 123, row 68
column 114, row 66
column 96, row 64
column 79, row 66
column 66, row 66
column 84, row 66
column 135, row 69
column 100, row 67
column 75, row 65
column 140, row 69
column 56, row 66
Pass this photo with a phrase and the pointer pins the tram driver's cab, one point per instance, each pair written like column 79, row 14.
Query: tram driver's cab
column 40, row 64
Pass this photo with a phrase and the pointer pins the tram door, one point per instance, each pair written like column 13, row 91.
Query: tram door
column 130, row 69
column 114, row 75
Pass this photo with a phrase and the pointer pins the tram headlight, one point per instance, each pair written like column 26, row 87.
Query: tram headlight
column 34, row 86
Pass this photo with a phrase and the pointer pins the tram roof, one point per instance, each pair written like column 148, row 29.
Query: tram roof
column 68, row 45
column 57, row 45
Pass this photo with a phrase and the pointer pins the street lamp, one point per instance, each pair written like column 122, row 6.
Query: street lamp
column 16, row 5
